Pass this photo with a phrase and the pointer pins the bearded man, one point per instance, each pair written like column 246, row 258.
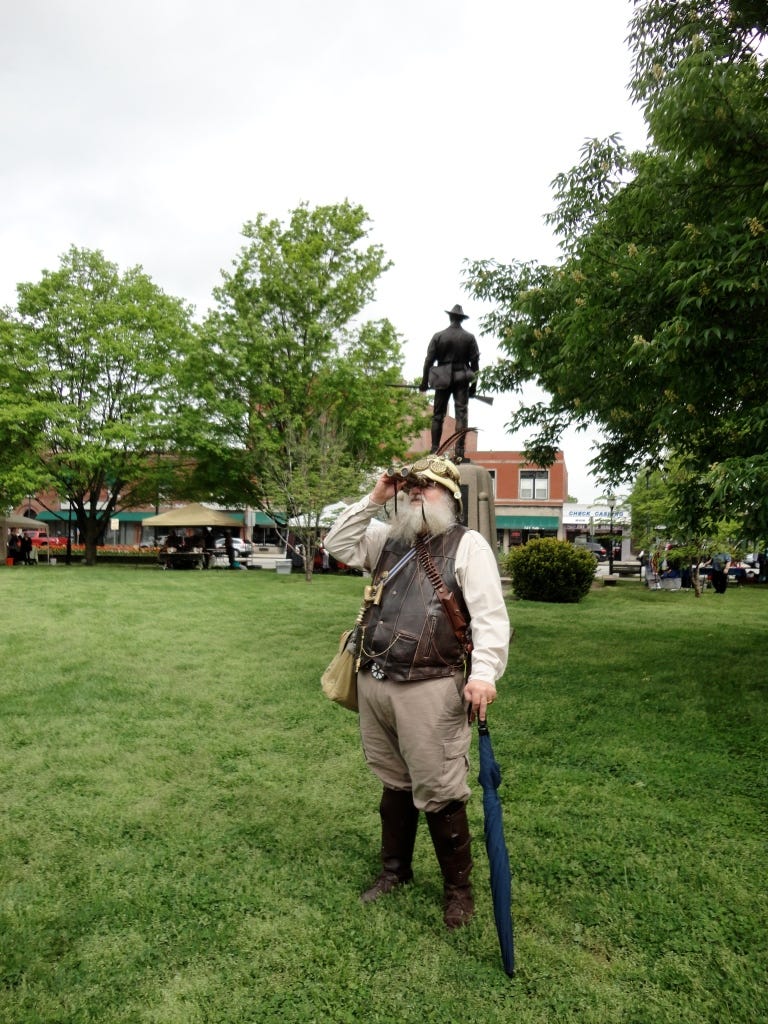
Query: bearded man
column 418, row 690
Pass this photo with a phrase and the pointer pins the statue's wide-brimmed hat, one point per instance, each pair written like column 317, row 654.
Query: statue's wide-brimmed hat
column 458, row 312
column 439, row 469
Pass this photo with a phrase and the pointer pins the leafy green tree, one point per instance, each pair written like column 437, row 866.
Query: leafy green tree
column 87, row 391
column 663, row 33
column 290, row 393
column 20, row 420
column 669, row 507
column 653, row 326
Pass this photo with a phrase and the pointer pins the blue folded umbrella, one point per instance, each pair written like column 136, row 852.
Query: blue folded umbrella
column 498, row 857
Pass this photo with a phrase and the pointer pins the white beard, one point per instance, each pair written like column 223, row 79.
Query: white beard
column 431, row 516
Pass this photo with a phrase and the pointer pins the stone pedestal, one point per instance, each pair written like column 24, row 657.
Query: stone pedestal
column 477, row 499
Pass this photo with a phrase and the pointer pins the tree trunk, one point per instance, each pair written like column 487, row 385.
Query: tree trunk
column 696, row 580
column 91, row 536
column 309, row 561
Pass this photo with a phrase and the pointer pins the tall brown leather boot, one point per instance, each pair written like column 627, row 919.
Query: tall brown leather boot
column 449, row 829
column 399, row 821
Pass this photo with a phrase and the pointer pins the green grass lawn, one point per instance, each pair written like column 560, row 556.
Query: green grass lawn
column 186, row 823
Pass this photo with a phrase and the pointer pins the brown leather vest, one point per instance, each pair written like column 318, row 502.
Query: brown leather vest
column 409, row 634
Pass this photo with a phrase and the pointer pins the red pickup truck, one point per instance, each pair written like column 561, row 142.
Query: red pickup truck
column 40, row 539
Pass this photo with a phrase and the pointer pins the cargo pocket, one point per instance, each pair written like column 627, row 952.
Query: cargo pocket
column 455, row 759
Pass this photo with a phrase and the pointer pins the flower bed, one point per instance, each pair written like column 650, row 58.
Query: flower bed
column 126, row 554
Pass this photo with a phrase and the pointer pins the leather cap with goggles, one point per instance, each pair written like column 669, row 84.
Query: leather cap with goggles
column 434, row 468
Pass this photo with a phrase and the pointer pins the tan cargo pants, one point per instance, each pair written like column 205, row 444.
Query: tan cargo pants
column 416, row 736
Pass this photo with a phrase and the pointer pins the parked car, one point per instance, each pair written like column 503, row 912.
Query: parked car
column 751, row 571
column 243, row 548
column 597, row 550
column 40, row 539
column 752, row 564
column 738, row 572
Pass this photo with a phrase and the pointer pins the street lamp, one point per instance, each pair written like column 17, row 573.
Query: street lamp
column 611, row 499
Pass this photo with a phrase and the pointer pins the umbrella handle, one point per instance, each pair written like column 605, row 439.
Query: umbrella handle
column 482, row 727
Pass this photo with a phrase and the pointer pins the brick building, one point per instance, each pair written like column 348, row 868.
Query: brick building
column 529, row 499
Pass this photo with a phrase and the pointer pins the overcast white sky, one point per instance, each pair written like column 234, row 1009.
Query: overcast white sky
column 153, row 129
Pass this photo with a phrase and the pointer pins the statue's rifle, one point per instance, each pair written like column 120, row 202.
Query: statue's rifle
column 415, row 387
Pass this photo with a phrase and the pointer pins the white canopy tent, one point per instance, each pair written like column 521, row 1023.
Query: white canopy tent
column 21, row 523
column 327, row 518
column 8, row 523
column 194, row 515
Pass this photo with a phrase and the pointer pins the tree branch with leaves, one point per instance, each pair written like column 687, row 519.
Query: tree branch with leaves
column 294, row 410
column 653, row 327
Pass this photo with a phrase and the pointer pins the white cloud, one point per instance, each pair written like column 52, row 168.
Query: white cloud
column 153, row 129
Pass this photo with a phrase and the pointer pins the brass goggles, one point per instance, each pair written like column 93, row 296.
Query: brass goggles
column 428, row 472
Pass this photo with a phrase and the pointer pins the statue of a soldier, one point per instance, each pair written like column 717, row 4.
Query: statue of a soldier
column 453, row 359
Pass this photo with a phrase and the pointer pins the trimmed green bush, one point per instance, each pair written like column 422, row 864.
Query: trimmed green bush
column 550, row 570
